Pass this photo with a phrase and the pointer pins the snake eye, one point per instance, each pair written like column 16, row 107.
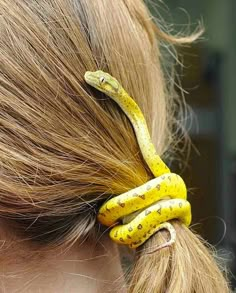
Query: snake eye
column 102, row 79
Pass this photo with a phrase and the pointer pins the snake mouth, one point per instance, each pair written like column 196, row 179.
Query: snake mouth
column 93, row 80
column 89, row 78
column 101, row 81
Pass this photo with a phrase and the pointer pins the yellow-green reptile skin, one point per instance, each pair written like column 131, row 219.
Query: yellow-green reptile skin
column 152, row 204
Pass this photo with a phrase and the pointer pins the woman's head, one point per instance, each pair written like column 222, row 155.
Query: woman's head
column 65, row 147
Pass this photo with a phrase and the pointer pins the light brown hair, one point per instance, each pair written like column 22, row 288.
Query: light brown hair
column 65, row 148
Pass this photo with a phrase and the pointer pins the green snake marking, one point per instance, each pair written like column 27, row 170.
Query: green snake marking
column 152, row 204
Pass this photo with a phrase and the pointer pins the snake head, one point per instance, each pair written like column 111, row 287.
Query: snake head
column 103, row 82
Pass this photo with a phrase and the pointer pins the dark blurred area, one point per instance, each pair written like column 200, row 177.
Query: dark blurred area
column 209, row 78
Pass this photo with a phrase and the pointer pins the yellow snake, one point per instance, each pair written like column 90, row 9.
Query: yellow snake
column 147, row 208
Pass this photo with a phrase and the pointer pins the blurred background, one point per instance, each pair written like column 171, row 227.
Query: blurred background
column 209, row 77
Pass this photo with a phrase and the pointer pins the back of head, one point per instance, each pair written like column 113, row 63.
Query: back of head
column 65, row 147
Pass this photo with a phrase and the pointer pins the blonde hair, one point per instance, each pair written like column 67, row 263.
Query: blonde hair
column 65, row 148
